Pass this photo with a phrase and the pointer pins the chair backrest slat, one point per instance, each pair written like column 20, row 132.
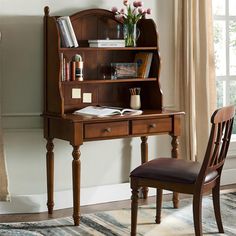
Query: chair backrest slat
column 226, row 139
column 218, row 144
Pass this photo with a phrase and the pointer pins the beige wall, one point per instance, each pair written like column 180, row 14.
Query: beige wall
column 21, row 73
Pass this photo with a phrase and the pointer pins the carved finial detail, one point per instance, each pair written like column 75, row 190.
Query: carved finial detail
column 76, row 153
column 46, row 11
column 144, row 139
column 50, row 145
column 175, row 145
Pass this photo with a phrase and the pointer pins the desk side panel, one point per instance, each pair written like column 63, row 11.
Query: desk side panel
column 66, row 130
column 52, row 87
column 176, row 125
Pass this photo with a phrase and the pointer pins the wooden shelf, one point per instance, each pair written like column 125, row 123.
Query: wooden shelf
column 110, row 81
column 92, row 24
column 109, row 49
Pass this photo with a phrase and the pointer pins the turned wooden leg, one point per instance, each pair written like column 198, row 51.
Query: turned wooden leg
column 144, row 159
column 175, row 154
column 134, row 210
column 50, row 174
column 76, row 184
column 197, row 214
column 216, row 203
column 158, row 205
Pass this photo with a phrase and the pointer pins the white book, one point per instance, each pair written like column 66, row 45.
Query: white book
column 71, row 30
column 103, row 45
column 62, row 67
column 64, row 39
column 107, row 43
column 103, row 111
column 65, row 32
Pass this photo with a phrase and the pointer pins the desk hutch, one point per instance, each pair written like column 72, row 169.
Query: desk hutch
column 59, row 104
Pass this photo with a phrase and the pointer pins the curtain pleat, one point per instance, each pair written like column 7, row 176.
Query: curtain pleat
column 195, row 73
column 4, row 194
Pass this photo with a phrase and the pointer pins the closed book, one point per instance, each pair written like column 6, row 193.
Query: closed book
column 70, row 30
column 73, row 70
column 107, row 43
column 65, row 32
column 62, row 67
column 64, row 39
column 143, row 60
column 67, row 78
column 103, row 45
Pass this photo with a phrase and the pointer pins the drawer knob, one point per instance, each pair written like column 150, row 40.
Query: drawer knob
column 152, row 126
column 107, row 130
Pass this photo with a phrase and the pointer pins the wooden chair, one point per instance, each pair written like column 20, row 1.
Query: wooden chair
column 187, row 176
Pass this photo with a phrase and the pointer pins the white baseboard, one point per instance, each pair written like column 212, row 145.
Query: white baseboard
column 93, row 195
column 228, row 177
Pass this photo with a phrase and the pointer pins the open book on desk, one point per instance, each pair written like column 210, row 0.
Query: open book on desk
column 102, row 111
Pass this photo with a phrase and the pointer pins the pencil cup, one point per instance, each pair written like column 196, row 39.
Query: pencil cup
column 135, row 102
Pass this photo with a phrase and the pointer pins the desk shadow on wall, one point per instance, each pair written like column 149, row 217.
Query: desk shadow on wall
column 22, row 64
column 157, row 146
column 126, row 159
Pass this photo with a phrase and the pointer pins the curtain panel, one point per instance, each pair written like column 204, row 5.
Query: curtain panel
column 4, row 194
column 195, row 73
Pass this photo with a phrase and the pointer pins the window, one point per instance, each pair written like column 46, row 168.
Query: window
column 225, row 52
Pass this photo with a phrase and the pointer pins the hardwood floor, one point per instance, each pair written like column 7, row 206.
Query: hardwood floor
column 92, row 208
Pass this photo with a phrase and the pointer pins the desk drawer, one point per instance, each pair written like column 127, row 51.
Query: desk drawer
column 151, row 126
column 111, row 129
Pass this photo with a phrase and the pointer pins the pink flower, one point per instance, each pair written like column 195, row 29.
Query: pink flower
column 131, row 13
column 122, row 11
column 126, row 2
column 137, row 4
column 148, row 11
column 140, row 10
column 144, row 12
column 140, row 4
column 114, row 9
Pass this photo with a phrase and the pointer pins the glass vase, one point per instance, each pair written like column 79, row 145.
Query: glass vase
column 130, row 35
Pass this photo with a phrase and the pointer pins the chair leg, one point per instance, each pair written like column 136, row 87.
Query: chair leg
column 134, row 211
column 158, row 205
column 197, row 214
column 216, row 203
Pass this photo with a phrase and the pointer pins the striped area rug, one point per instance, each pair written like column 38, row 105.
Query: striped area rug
column 175, row 222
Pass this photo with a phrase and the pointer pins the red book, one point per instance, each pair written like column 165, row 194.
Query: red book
column 73, row 70
column 67, row 78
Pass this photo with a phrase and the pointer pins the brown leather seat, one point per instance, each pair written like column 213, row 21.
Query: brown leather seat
column 186, row 176
column 174, row 170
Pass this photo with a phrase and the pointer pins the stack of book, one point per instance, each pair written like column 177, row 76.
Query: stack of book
column 67, row 69
column 115, row 43
column 67, row 32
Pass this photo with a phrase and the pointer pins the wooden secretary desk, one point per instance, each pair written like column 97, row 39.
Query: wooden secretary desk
column 59, row 104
